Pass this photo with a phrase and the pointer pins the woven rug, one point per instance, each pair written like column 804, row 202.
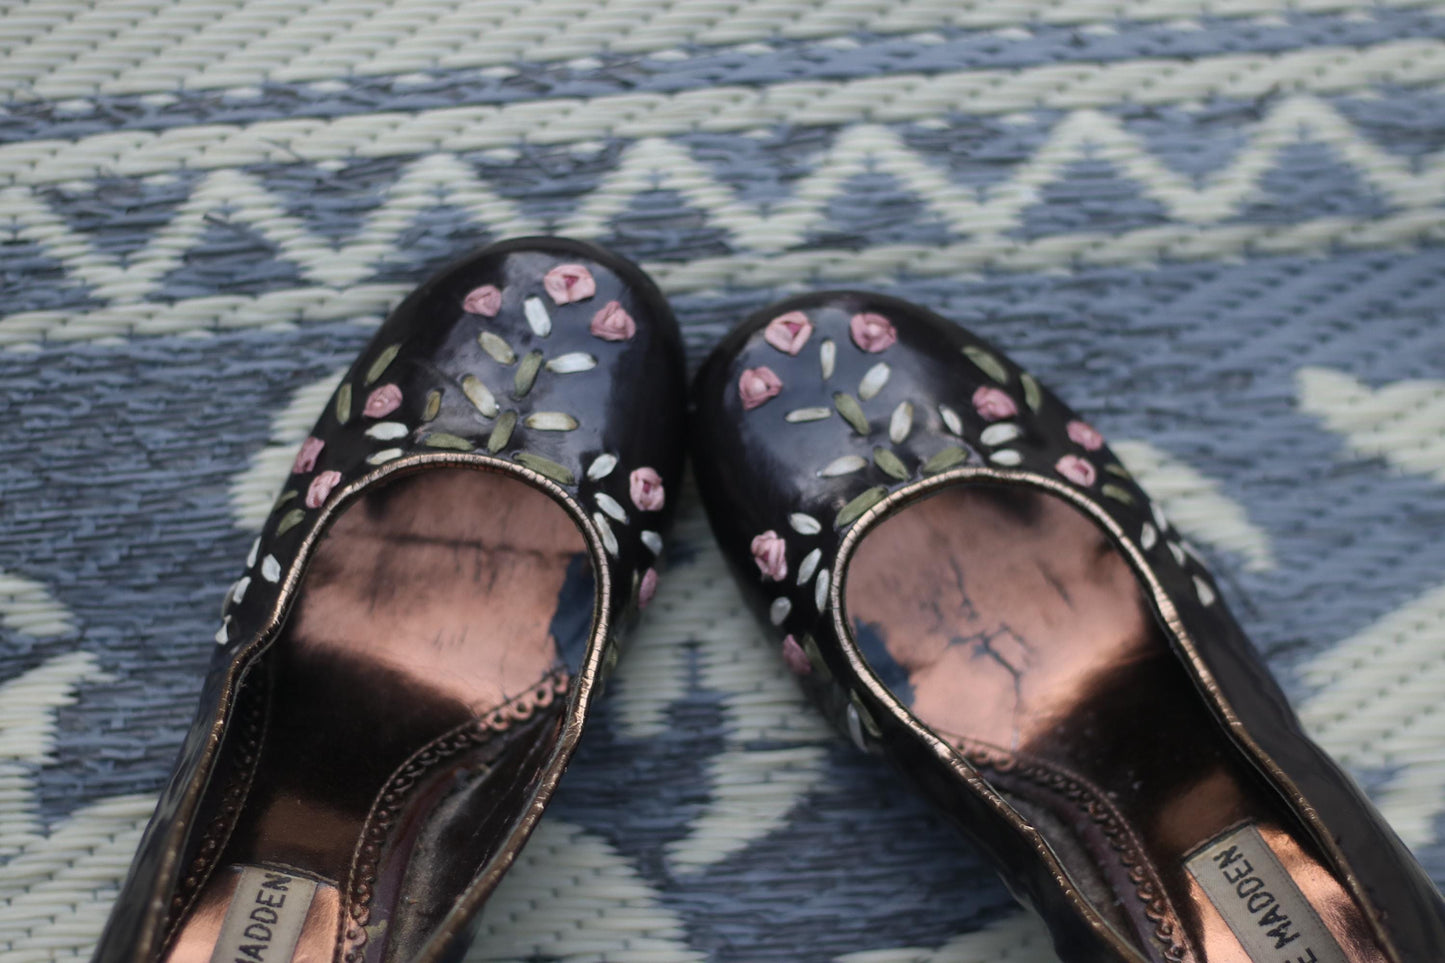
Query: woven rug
column 1216, row 226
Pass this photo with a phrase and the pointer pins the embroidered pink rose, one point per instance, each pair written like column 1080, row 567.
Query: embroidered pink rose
column 647, row 493
column 382, row 402
column 306, row 457
column 321, row 487
column 569, row 282
column 795, row 657
column 872, row 332
column 758, row 385
column 1077, row 470
column 485, row 300
column 613, row 324
column 770, row 551
column 993, row 404
column 788, row 332
column 647, row 589
column 1085, row 435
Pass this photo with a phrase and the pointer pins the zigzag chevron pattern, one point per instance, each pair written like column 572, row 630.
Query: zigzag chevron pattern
column 884, row 99
column 653, row 164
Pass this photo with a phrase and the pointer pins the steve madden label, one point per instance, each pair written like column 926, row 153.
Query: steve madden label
column 265, row 917
column 1264, row 908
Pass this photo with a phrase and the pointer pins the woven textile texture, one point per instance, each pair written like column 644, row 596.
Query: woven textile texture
column 1217, row 227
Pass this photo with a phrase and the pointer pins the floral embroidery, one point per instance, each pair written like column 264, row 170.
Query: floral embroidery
column 646, row 488
column 872, row 332
column 770, row 552
column 993, row 404
column 789, row 332
column 306, row 457
column 757, row 385
column 795, row 657
column 647, row 589
column 1085, row 435
column 382, row 401
column 567, row 283
column 321, row 487
column 1077, row 470
column 612, row 323
column 485, row 300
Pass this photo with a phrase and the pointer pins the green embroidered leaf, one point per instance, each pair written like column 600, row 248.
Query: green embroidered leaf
column 945, row 459
column 1033, row 394
column 987, row 363
column 851, row 412
column 1118, row 494
column 343, row 403
column 547, row 467
column 284, row 497
column 815, row 658
column 440, row 439
column 500, row 351
column 480, row 395
column 526, row 374
column 289, row 521
column 854, row 510
column 502, row 433
column 433, row 405
column 1114, row 468
column 864, row 716
column 382, row 362
column 890, row 464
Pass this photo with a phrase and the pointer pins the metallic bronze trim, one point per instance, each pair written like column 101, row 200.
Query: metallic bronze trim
column 580, row 696
column 1164, row 610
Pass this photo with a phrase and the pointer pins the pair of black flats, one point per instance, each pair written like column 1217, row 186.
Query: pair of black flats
column 963, row 576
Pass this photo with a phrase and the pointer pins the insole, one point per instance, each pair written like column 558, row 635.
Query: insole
column 428, row 604
column 1012, row 628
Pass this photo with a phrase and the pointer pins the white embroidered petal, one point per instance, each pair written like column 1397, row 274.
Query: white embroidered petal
column 855, row 728
column 609, row 505
column 1205, row 593
column 601, row 466
column 807, row 414
column 874, row 380
column 550, row 421
column 1177, row 552
column 779, row 610
column 653, row 541
column 223, row 634
column 827, row 357
column 804, row 524
column 609, row 541
column 238, row 591
column 951, row 421
column 537, row 316
column 901, row 423
column 383, row 456
column 999, row 434
column 387, row 431
column 1159, row 518
column 820, row 591
column 843, row 466
column 251, row 556
column 270, row 569
column 1148, row 536
column 572, row 363
column 1006, row 457
column 809, row 565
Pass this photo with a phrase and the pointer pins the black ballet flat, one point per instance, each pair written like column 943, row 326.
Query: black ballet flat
column 404, row 668
column 971, row 585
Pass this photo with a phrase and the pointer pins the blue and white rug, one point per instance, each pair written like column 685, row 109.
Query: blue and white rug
column 1217, row 226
